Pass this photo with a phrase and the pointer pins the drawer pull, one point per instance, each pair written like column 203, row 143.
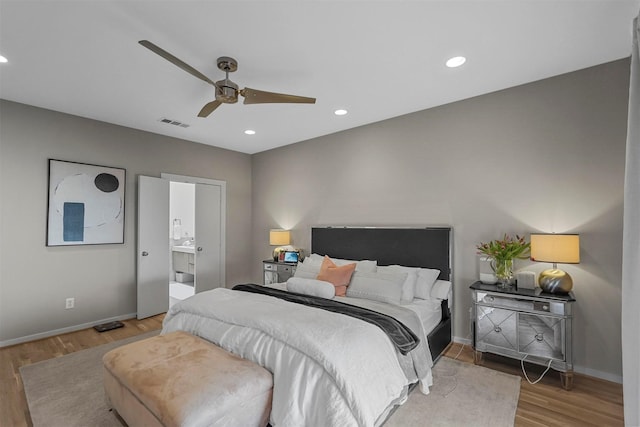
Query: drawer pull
column 539, row 337
column 497, row 329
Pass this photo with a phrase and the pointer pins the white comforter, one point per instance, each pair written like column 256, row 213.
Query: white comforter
column 329, row 369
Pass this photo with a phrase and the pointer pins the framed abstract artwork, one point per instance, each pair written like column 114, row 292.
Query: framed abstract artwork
column 86, row 204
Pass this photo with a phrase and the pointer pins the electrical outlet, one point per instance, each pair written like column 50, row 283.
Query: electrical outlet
column 70, row 303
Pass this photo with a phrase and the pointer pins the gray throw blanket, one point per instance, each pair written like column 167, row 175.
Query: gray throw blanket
column 400, row 335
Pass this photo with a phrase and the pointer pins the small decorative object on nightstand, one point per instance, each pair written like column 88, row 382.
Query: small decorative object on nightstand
column 524, row 324
column 277, row 272
column 526, row 279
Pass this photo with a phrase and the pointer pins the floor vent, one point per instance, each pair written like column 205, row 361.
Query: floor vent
column 174, row 122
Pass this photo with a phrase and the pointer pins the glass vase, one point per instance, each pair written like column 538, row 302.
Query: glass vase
column 503, row 269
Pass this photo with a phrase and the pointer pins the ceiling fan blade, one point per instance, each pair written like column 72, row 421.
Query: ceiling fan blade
column 253, row 96
column 208, row 108
column 175, row 61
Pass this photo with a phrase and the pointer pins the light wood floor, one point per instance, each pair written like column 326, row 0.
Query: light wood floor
column 13, row 405
column 592, row 402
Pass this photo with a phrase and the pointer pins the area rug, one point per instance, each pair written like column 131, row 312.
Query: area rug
column 67, row 391
column 462, row 395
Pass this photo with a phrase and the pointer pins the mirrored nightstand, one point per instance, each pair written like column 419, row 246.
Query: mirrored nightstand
column 524, row 324
column 277, row 272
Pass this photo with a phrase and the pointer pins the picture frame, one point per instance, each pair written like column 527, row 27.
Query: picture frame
column 86, row 204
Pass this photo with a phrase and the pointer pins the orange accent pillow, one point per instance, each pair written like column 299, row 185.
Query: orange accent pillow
column 337, row 276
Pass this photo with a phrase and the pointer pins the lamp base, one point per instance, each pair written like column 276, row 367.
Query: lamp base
column 555, row 281
column 276, row 253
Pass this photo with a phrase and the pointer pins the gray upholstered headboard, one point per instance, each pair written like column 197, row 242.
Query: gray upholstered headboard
column 414, row 247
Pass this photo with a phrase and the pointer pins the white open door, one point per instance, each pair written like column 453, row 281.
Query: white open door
column 208, row 229
column 153, row 262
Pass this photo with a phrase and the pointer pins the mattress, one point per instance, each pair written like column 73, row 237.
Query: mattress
column 429, row 312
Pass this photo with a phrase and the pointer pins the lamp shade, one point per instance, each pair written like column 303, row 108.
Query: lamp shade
column 555, row 248
column 279, row 237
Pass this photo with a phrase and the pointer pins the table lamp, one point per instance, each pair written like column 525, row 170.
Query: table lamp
column 279, row 238
column 555, row 248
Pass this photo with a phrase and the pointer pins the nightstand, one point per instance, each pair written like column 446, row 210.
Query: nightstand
column 524, row 324
column 277, row 272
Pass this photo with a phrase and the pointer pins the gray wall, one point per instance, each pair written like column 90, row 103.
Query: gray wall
column 35, row 279
column 542, row 157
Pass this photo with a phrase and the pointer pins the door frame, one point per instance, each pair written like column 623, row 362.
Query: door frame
column 223, row 212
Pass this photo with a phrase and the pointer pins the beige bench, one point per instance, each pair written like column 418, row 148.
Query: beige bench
column 178, row 379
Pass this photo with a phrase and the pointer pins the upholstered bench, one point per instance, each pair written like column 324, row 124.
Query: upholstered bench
column 179, row 379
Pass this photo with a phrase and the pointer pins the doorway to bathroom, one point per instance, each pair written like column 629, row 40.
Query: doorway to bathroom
column 182, row 240
column 192, row 258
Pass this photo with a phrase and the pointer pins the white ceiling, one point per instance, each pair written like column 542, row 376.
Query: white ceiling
column 378, row 59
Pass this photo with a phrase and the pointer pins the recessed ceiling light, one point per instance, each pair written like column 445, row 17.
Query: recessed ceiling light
column 456, row 61
column 250, row 132
column 3, row 59
column 340, row 112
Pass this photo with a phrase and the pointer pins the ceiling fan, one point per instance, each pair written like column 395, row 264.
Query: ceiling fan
column 227, row 91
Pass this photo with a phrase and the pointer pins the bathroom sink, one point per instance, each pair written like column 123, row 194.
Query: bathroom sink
column 187, row 249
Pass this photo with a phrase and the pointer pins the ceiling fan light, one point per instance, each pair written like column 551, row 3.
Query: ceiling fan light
column 340, row 112
column 250, row 132
column 456, row 61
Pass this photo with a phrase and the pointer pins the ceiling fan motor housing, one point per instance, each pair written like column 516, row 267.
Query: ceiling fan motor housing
column 226, row 91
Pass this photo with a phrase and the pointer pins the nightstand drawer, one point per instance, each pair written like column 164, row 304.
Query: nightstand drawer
column 531, row 305
column 541, row 336
column 498, row 301
column 277, row 272
column 496, row 327
column 285, row 268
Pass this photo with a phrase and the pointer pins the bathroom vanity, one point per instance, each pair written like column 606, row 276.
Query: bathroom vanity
column 183, row 259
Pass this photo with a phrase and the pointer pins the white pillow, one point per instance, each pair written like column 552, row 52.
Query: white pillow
column 426, row 278
column 441, row 290
column 364, row 265
column 378, row 286
column 308, row 269
column 303, row 273
column 314, row 256
column 313, row 287
column 313, row 260
column 409, row 285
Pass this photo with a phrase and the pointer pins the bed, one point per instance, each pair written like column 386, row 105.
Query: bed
column 330, row 369
column 429, row 247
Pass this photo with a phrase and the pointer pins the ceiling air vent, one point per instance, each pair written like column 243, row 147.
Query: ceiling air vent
column 174, row 122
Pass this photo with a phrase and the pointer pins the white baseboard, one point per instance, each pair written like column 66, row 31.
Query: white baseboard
column 578, row 369
column 68, row 329
column 461, row 340
column 598, row 374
